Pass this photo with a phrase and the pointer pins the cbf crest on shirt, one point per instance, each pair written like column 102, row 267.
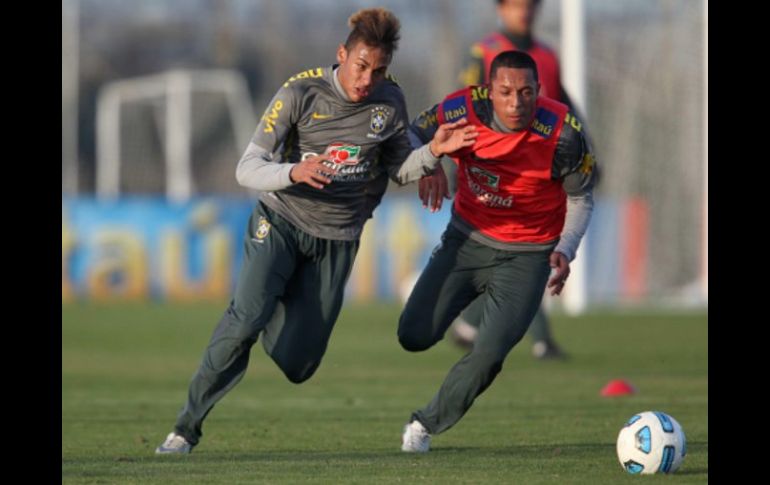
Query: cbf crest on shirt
column 379, row 118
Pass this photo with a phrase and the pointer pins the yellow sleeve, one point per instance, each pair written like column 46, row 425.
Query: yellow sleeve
column 473, row 72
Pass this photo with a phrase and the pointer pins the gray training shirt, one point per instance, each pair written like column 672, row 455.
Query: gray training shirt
column 311, row 115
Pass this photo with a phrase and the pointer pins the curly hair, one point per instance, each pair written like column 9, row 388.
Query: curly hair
column 376, row 27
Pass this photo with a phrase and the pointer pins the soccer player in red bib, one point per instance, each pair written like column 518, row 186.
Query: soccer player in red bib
column 523, row 203
column 516, row 18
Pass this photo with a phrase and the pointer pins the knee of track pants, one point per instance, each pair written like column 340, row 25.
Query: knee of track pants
column 299, row 372
column 298, row 363
column 412, row 336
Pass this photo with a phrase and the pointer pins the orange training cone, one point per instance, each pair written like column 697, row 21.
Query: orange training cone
column 618, row 387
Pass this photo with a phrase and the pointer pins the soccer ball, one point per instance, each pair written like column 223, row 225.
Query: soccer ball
column 651, row 442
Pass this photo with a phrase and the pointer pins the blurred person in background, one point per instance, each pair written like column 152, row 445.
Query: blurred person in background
column 523, row 203
column 517, row 18
column 321, row 155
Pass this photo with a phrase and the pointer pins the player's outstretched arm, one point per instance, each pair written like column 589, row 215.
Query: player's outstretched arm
column 451, row 137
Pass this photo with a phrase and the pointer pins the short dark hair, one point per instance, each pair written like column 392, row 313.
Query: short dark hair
column 514, row 59
column 376, row 27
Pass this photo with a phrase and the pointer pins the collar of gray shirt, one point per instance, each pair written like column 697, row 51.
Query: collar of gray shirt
column 338, row 86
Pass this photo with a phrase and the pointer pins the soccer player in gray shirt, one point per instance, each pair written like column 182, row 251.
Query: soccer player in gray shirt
column 322, row 155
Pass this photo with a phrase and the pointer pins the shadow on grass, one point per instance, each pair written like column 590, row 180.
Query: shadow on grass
column 308, row 456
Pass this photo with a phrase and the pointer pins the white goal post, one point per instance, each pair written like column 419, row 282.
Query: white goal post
column 175, row 88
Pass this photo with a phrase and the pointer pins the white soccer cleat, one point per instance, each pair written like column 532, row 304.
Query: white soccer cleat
column 174, row 444
column 416, row 438
column 548, row 350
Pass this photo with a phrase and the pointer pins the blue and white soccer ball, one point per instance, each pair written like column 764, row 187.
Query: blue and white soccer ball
column 651, row 442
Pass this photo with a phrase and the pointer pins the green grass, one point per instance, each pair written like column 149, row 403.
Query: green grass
column 125, row 370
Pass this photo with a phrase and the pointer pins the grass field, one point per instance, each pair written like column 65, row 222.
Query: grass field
column 125, row 370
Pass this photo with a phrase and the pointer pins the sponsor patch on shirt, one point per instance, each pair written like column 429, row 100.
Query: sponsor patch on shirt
column 344, row 154
column 454, row 109
column 543, row 123
column 485, row 177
